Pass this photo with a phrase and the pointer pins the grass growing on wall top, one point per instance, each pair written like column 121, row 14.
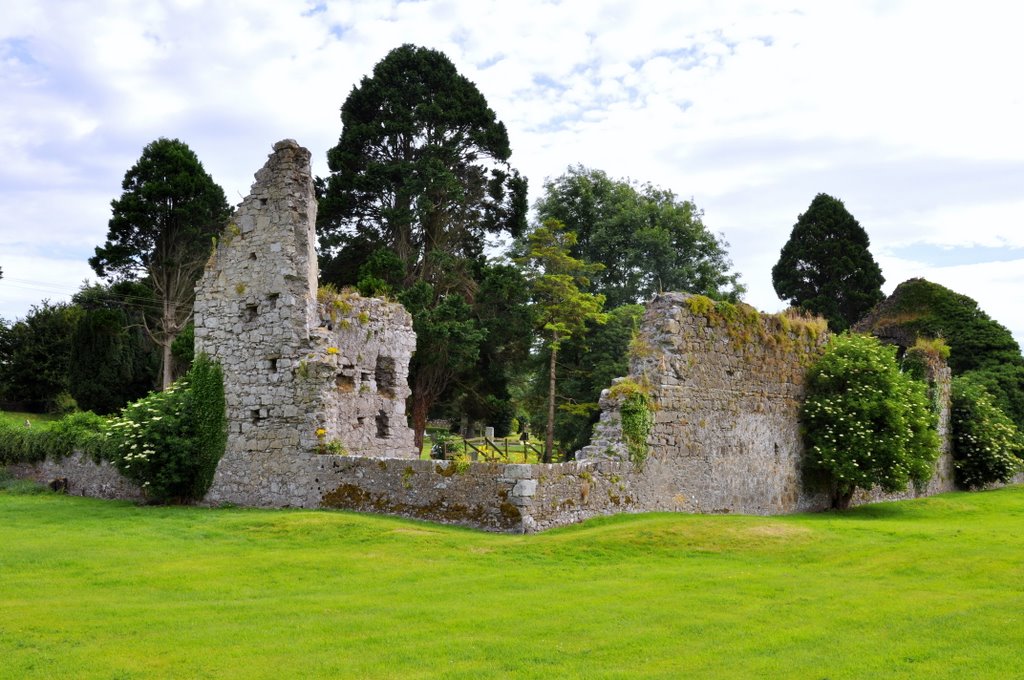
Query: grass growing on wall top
column 928, row 588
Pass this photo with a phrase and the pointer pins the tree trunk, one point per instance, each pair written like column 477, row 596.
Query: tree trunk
column 841, row 500
column 166, row 340
column 549, row 441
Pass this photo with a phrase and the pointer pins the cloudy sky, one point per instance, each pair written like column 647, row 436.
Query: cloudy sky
column 909, row 112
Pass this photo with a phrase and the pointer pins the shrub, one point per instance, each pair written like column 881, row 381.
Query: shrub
column 170, row 442
column 987, row 446
column 636, row 413
column 83, row 431
column 865, row 422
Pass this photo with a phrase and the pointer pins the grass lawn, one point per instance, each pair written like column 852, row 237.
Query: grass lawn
column 932, row 588
column 18, row 418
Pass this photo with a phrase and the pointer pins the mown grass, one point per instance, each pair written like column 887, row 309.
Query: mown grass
column 19, row 418
column 929, row 588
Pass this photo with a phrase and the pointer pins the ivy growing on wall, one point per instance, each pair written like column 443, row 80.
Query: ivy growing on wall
column 636, row 412
column 170, row 442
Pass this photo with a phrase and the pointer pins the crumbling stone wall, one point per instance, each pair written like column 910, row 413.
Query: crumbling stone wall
column 316, row 388
column 727, row 395
column 85, row 477
column 300, row 375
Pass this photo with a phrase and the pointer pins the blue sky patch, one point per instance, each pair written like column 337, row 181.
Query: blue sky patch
column 940, row 256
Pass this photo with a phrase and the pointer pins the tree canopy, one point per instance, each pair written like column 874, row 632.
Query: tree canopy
column 826, row 267
column 646, row 238
column 419, row 179
column 979, row 346
column 160, row 231
column 36, row 356
column 421, row 168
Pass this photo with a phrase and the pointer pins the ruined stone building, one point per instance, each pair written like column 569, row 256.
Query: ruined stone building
column 316, row 390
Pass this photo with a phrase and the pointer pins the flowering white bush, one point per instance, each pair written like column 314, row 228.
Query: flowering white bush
column 986, row 444
column 865, row 422
column 170, row 442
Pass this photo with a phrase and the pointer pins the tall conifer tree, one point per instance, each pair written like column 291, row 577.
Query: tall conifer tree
column 826, row 267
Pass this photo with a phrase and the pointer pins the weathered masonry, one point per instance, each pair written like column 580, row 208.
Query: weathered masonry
column 316, row 390
column 301, row 375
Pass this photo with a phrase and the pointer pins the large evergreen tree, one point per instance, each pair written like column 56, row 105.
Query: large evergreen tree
column 419, row 178
column 647, row 239
column 160, row 231
column 421, row 168
column 826, row 267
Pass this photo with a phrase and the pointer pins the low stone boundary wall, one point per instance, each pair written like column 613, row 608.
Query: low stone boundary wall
column 511, row 498
column 84, row 476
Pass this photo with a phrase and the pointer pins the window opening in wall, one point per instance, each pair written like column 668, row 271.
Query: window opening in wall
column 272, row 363
column 252, row 256
column 345, row 383
column 263, row 201
column 256, row 417
column 250, row 313
column 384, row 374
column 361, row 420
column 272, row 300
column 383, row 425
column 364, row 377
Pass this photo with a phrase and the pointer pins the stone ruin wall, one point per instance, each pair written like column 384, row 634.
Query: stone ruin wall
column 300, row 374
column 727, row 436
column 303, row 377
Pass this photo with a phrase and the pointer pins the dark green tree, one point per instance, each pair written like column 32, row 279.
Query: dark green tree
column 419, row 178
column 161, row 231
column 36, row 356
column 826, row 267
column 980, row 347
column 114, row 361
column 502, row 311
column 447, row 345
column 421, row 167
column 587, row 364
column 563, row 308
column 647, row 239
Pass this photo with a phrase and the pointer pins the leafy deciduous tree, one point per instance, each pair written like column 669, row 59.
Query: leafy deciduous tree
column 563, row 309
column 647, row 239
column 35, row 355
column 826, row 267
column 161, row 230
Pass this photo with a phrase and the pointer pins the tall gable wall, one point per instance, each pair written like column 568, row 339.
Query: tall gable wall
column 301, row 376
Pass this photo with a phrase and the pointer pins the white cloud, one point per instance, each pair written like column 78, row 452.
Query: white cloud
column 907, row 110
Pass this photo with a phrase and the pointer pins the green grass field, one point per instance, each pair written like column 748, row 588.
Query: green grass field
column 924, row 589
column 17, row 418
